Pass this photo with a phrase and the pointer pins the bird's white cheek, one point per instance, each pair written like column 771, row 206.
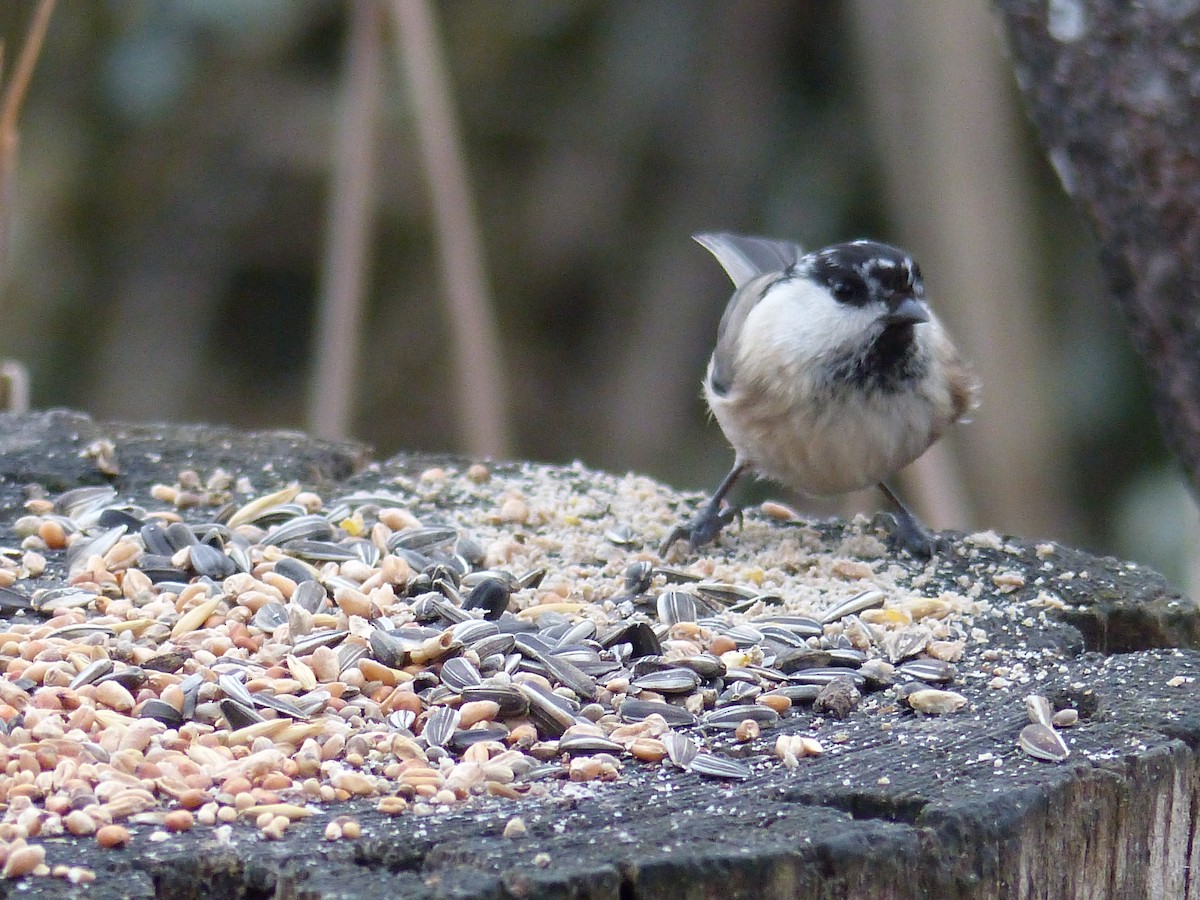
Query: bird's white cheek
column 791, row 331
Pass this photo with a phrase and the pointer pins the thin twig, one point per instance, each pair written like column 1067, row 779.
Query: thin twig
column 14, row 377
column 10, row 107
column 479, row 371
column 344, row 276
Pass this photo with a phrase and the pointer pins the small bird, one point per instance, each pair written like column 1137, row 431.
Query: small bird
column 830, row 374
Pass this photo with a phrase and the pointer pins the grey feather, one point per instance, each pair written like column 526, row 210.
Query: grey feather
column 744, row 258
column 753, row 264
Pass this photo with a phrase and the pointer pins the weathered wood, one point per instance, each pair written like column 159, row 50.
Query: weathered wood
column 900, row 805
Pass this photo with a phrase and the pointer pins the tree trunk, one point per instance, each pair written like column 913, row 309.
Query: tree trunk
column 1112, row 89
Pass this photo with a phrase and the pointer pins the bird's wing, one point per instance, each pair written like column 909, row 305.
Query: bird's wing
column 746, row 260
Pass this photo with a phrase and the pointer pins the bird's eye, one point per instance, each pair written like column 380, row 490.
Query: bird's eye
column 843, row 291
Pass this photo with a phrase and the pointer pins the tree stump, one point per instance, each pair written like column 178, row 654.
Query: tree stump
column 898, row 803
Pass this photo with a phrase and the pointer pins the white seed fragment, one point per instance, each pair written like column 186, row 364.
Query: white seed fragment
column 934, row 702
column 1065, row 718
column 515, row 828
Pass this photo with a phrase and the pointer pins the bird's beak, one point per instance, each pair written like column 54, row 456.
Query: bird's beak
column 909, row 311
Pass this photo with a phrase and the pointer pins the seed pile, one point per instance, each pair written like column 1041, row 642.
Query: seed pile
column 205, row 658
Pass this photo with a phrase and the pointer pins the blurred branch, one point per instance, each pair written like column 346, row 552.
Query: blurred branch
column 1111, row 87
column 344, row 273
column 944, row 119
column 14, row 379
column 479, row 371
column 10, row 107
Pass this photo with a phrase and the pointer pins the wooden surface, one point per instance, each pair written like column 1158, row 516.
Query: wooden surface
column 900, row 805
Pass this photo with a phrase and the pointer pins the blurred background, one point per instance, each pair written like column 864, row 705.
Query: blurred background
column 203, row 188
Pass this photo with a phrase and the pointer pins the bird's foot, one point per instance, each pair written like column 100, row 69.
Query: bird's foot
column 704, row 528
column 906, row 533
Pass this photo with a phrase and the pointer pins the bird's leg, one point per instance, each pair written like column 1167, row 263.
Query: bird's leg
column 909, row 533
column 702, row 529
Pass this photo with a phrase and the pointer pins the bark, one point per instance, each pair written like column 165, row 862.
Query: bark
column 1112, row 89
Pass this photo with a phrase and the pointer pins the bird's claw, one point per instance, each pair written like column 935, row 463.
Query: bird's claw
column 703, row 529
column 908, row 534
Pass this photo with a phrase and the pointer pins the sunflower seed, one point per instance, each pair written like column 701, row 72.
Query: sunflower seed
column 439, row 725
column 719, row 767
column 14, row 601
column 131, row 678
column 749, row 602
column 270, row 616
column 92, row 673
column 633, row 710
column 639, row 636
column 308, row 595
column 1039, row 709
column 932, row 671
column 570, row 675
column 675, row 607
column 797, row 693
column 297, row 571
column 80, row 501
column 81, row 550
column 430, row 606
column 826, row 675
column 578, row 740
column 784, row 637
column 731, row 716
column 168, row 662
column 472, row 631
column 206, row 560
column 583, row 630
column 82, row 630
column 324, row 637
column 739, row 693
column 744, row 636
column 238, row 715
column 180, row 536
column 548, row 711
column 1043, row 742
column 269, row 700
column 235, row 690
column 161, row 711
column 802, row 626
column 301, row 528
column 681, row 749
column 802, row 659
column 154, row 537
column 724, row 594
column 705, row 665
column 63, row 599
column 851, row 605
column 458, row 673
column 423, row 539
column 497, row 644
column 400, row 720
column 349, row 653
column 638, row 577
column 315, row 551
column 674, row 680
column 905, row 642
column 512, row 702
column 490, row 595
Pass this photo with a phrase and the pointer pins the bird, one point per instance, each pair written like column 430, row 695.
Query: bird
column 830, row 374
